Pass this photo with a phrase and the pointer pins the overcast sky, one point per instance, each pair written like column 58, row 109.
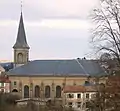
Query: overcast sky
column 55, row 29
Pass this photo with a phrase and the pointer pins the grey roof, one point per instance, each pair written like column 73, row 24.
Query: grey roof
column 58, row 68
column 21, row 41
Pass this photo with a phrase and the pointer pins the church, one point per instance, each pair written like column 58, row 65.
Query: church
column 47, row 78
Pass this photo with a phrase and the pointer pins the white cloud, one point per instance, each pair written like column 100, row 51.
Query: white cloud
column 7, row 23
column 56, row 23
column 52, row 23
column 61, row 24
column 64, row 8
column 38, row 9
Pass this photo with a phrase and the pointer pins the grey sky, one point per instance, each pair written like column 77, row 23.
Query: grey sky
column 54, row 28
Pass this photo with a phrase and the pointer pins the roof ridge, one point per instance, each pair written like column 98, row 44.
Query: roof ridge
column 81, row 66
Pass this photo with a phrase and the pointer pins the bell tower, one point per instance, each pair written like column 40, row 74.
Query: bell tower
column 21, row 48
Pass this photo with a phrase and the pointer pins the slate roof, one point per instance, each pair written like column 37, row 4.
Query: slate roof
column 7, row 66
column 72, row 67
column 21, row 41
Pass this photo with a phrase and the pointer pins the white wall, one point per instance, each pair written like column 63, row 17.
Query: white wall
column 6, row 87
column 82, row 99
column 83, row 95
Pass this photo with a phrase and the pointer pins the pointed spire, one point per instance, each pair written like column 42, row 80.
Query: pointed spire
column 21, row 41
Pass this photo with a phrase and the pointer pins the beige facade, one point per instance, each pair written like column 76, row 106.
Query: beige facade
column 21, row 56
column 18, row 83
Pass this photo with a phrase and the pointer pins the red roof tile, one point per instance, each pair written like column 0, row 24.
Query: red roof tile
column 74, row 89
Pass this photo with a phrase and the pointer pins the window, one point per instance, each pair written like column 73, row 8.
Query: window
column 78, row 95
column 58, row 92
column 2, row 90
column 70, row 104
column 78, row 104
column 15, row 83
column 26, row 91
column 37, row 91
column 2, row 84
column 70, row 96
column 87, row 96
column 47, row 91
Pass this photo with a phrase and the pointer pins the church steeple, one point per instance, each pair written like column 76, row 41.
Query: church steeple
column 21, row 48
column 21, row 41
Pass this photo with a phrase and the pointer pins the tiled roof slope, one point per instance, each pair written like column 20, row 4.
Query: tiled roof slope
column 76, row 89
column 72, row 67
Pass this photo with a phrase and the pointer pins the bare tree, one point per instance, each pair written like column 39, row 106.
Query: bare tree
column 106, row 34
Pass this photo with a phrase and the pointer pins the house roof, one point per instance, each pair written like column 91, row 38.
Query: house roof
column 7, row 66
column 71, row 67
column 21, row 41
column 77, row 89
column 4, row 79
column 74, row 89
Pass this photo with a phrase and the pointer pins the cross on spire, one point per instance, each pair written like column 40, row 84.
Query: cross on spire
column 21, row 5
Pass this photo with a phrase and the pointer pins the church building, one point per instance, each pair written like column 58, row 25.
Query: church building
column 47, row 78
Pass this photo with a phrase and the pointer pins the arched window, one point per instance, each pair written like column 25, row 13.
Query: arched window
column 37, row 91
column 26, row 91
column 20, row 57
column 58, row 92
column 14, row 90
column 47, row 91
